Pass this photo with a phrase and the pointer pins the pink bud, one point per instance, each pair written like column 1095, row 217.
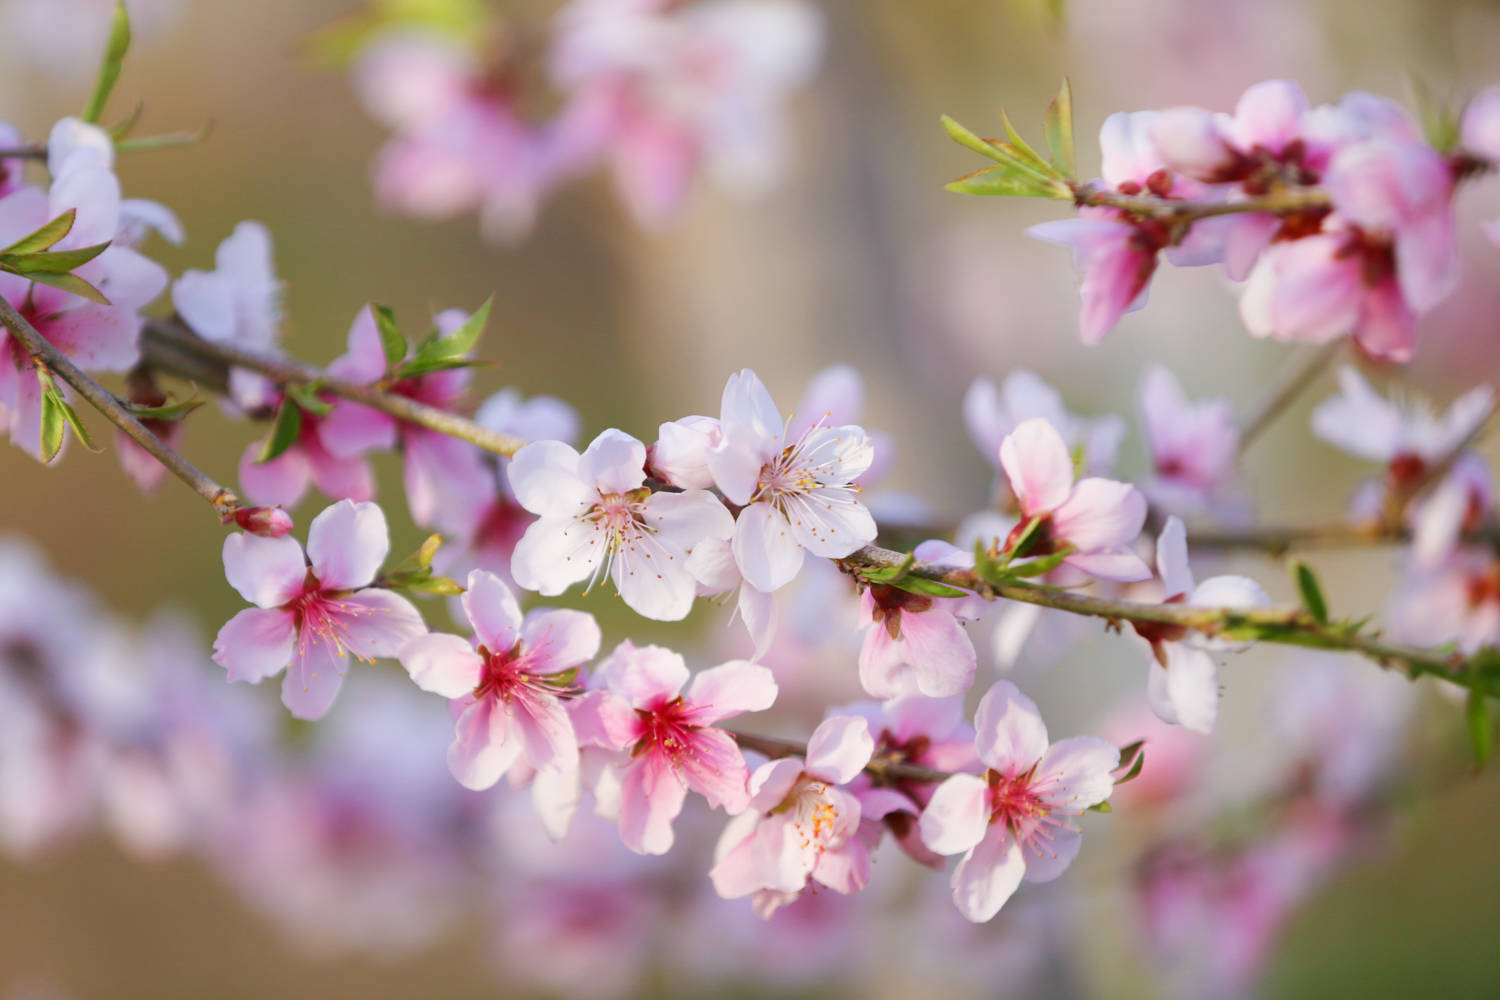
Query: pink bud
column 268, row 522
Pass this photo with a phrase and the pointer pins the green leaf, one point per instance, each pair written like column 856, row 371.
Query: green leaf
column 1135, row 756
column 167, row 411
column 53, row 423
column 1101, row 807
column 462, row 340
column 392, row 341
column 1022, row 541
column 1008, row 182
column 76, row 425
column 890, row 574
column 109, row 70
column 306, row 397
column 1481, row 733
column 44, row 237
column 121, row 130
column 1039, row 565
column 926, row 587
column 70, row 283
column 439, row 585
column 415, row 367
column 53, row 261
column 1022, row 148
column 1311, row 591
column 284, row 432
column 970, row 141
column 1440, row 123
column 419, row 560
column 170, row 140
column 1059, row 127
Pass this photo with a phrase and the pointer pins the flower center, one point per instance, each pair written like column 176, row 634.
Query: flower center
column 668, row 729
column 813, row 813
column 321, row 617
column 1016, row 801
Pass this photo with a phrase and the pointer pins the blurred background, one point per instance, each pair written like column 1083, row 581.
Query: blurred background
column 857, row 256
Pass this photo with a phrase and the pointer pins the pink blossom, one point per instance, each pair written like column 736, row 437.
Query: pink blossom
column 799, row 495
column 507, row 690
column 1192, row 444
column 239, row 304
column 639, row 705
column 991, row 413
column 1457, row 601
column 713, row 566
column 1012, row 823
column 1097, row 518
column 309, row 619
column 96, row 337
column 1479, row 128
column 661, row 92
column 680, row 454
column 914, row 643
column 283, row 481
column 597, row 518
column 268, row 522
column 800, row 826
column 1183, row 683
column 433, row 464
column 480, row 519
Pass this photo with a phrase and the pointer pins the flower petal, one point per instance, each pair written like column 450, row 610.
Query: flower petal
column 559, row 639
column 988, row 876
column 493, row 611
column 840, row 748
column 255, row 644
column 729, row 689
column 957, row 816
column 346, row 544
column 544, row 478
column 766, row 549
column 1009, row 732
column 442, row 664
column 1037, row 462
column 267, row 572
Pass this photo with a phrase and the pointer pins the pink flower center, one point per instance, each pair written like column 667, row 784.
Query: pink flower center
column 322, row 617
column 667, row 729
column 1016, row 801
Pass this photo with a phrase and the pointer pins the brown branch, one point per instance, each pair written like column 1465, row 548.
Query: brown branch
column 1177, row 210
column 170, row 347
column 44, row 355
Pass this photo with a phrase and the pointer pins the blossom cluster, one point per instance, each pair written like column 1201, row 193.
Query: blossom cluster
column 652, row 92
column 1337, row 220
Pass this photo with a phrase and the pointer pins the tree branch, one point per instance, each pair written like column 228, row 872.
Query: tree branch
column 1175, row 210
column 43, row 354
column 1290, row 383
column 170, row 347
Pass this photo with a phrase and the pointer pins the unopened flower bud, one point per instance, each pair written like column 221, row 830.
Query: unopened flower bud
column 268, row 522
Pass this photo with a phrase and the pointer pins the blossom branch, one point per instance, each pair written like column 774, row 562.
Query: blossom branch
column 49, row 358
column 1285, row 626
column 881, row 768
column 1291, row 201
column 170, row 347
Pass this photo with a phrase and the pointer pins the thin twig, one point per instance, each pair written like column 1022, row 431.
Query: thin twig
column 1289, row 384
column 42, row 353
column 165, row 343
column 1288, row 202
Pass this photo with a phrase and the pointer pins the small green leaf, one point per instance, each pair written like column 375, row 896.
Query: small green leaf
column 970, row 141
column 75, row 424
column 284, row 432
column 53, row 261
column 1101, row 807
column 121, row 130
column 1023, row 148
column 1311, row 592
column 1059, row 126
column 1022, row 541
column 438, row 585
column 1440, row 123
column 44, row 237
column 167, row 411
column 419, row 561
column 416, row 366
column 428, row 550
column 70, row 283
column 926, row 587
column 462, row 340
column 1135, row 756
column 53, row 423
column 1039, row 565
column 109, row 70
column 170, row 140
column 306, row 397
column 1481, row 733
column 1009, row 182
column 392, row 341
column 562, row 678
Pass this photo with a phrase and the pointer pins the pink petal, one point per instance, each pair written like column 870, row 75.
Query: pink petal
column 267, row 572
column 651, row 796
column 555, row 553
column 442, row 664
column 378, row 623
column 205, row 301
column 1172, row 558
column 682, row 520
column 1100, row 514
column 614, row 462
column 747, row 408
column 481, row 750
column 1074, row 774
column 767, row 551
column 840, row 748
column 313, row 678
column 772, row 782
column 255, row 644
column 988, row 875
column 1186, row 691
column 337, row 478
column 1268, row 114
column 560, row 639
column 351, row 430
column 546, row 733
column 939, row 652
column 758, row 611
column 1048, row 859
column 729, row 689
column 346, row 544
column 957, row 816
column 280, row 482
column 493, row 611
column 1009, row 733
column 642, row 674
column 544, row 476
column 1120, row 564
column 1037, row 463
column 715, row 769
column 830, row 522
column 846, row 869
column 653, row 580
column 363, row 359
